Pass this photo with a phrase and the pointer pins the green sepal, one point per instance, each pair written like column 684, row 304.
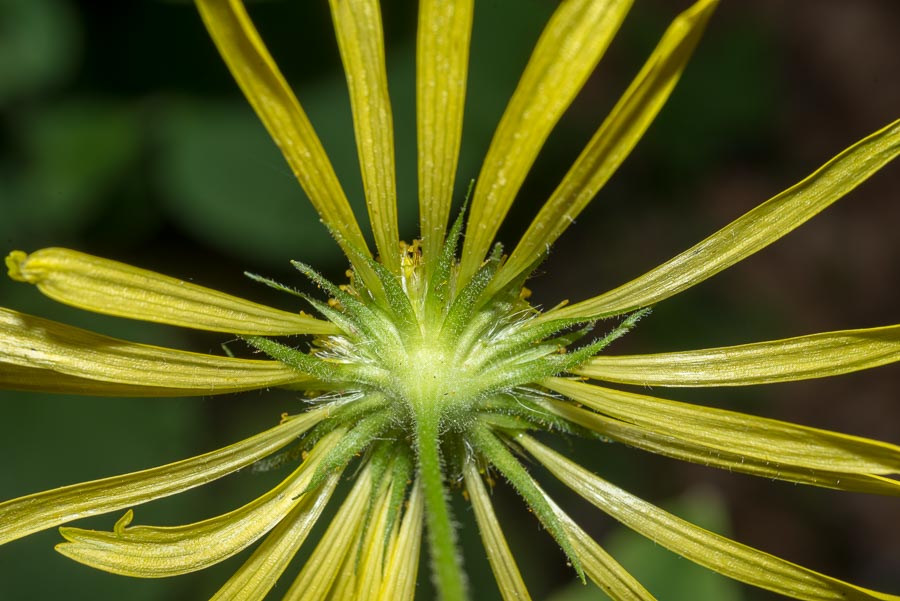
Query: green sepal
column 548, row 363
column 348, row 325
column 398, row 301
column 401, row 474
column 439, row 286
column 487, row 443
column 349, row 411
column 302, row 362
column 538, row 333
column 352, row 443
column 515, row 411
column 273, row 284
column 288, row 456
column 505, row 299
column 459, row 315
column 352, row 306
column 380, row 458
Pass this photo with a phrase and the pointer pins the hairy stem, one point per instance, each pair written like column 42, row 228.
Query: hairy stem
column 446, row 562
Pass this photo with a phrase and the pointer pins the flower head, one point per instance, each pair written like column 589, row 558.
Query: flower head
column 429, row 373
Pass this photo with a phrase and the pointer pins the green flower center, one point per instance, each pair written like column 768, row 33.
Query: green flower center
column 427, row 348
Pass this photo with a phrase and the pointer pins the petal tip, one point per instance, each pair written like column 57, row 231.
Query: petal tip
column 15, row 263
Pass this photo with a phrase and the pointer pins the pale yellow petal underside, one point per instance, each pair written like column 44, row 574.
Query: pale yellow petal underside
column 506, row 572
column 159, row 552
column 344, row 588
column 565, row 55
column 36, row 379
column 749, row 435
column 442, row 61
column 749, row 233
column 357, row 24
column 701, row 452
column 369, row 570
column 256, row 577
column 320, row 570
column 613, row 141
column 258, row 76
column 114, row 288
column 32, row 342
column 800, row 358
column 401, row 572
column 25, row 515
column 601, row 568
column 706, row 548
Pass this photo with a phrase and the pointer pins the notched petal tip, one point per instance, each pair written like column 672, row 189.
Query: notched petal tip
column 15, row 263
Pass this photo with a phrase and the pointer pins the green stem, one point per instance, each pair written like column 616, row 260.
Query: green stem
column 446, row 562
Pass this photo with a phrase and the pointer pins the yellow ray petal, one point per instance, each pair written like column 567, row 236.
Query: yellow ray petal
column 256, row 577
column 612, row 142
column 114, row 288
column 369, row 569
column 400, row 574
column 344, row 588
column 503, row 564
column 568, row 50
column 442, row 61
column 25, row 515
column 800, row 358
column 701, row 452
column 158, row 552
column 361, row 42
column 749, row 233
column 33, row 342
column 35, row 379
column 319, row 572
column 601, row 568
column 754, row 437
column 266, row 89
column 706, row 548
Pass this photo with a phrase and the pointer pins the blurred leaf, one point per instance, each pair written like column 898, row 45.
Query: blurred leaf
column 39, row 45
column 76, row 152
column 737, row 110
column 225, row 181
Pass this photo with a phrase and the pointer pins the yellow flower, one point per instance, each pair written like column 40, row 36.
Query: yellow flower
column 431, row 374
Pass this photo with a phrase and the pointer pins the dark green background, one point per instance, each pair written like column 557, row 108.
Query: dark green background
column 122, row 134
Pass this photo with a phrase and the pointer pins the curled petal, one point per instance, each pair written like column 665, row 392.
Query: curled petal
column 33, row 513
column 157, row 552
column 256, row 577
column 113, row 288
